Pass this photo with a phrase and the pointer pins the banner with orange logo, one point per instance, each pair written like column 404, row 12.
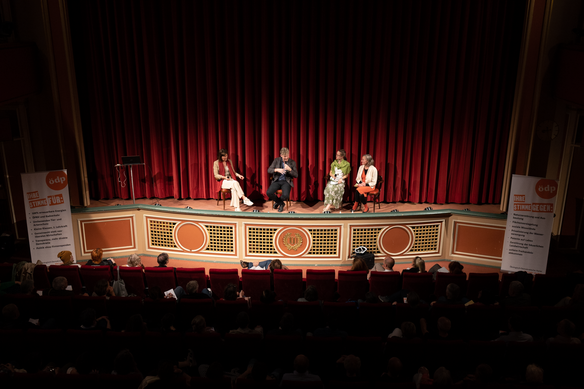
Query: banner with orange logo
column 48, row 215
column 529, row 224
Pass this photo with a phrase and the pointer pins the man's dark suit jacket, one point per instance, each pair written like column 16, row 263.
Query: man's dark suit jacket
column 277, row 164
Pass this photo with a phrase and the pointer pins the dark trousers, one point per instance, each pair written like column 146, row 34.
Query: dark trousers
column 360, row 198
column 277, row 185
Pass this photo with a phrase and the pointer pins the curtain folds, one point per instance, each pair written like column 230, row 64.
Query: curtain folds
column 425, row 87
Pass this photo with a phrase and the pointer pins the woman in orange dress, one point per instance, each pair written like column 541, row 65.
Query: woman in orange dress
column 366, row 181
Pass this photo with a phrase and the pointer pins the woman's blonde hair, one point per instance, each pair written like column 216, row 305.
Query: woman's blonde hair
column 134, row 260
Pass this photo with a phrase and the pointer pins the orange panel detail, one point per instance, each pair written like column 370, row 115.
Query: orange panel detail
column 109, row 234
column 396, row 240
column 479, row 240
column 292, row 241
column 190, row 237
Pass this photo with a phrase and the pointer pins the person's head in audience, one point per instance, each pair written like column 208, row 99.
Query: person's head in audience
column 134, row 261
column 276, row 264
column 59, row 283
column 515, row 323
column 268, row 297
column 372, row 298
column 408, row 330
column 162, row 259
column 442, row 378
column 487, row 297
column 230, row 292
column 301, row 364
column 100, row 288
column 192, row 287
column 352, row 365
column 444, row 326
column 198, row 324
column 455, row 267
column 453, row 292
column 566, row 328
column 515, row 289
column 135, row 323
column 27, row 287
column 88, row 318
column 311, row 293
column 534, row 375
column 124, row 363
column 167, row 323
column 287, row 322
column 413, row 299
column 394, row 367
column 388, row 263
column 155, row 293
column 96, row 256
column 66, row 257
column 484, row 373
column 359, row 265
column 10, row 315
column 420, row 264
column 242, row 320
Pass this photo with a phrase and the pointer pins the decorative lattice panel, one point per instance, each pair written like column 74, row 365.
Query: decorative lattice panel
column 426, row 238
column 161, row 233
column 324, row 241
column 221, row 238
column 260, row 240
column 366, row 237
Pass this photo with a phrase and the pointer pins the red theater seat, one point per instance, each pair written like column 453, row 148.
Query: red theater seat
column 134, row 280
column 220, row 278
column 288, row 284
column 384, row 283
column 254, row 282
column 443, row 279
column 481, row 281
column 352, row 285
column 324, row 281
column 41, row 277
column 163, row 277
column 5, row 272
column 92, row 274
column 184, row 275
column 71, row 273
column 421, row 283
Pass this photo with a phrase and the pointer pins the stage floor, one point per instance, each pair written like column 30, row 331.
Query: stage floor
column 298, row 207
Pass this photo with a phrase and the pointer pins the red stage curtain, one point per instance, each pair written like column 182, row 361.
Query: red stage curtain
column 425, row 87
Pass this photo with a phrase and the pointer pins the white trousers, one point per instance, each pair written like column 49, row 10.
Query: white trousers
column 236, row 191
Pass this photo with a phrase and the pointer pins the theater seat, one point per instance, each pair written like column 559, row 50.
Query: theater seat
column 324, row 281
column 288, row 284
column 220, row 278
column 254, row 282
column 162, row 277
column 41, row 277
column 421, row 283
column 71, row 273
column 92, row 274
column 482, row 281
column 184, row 275
column 352, row 285
column 384, row 283
column 134, row 280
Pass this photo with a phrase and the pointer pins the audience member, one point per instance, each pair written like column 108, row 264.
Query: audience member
column 348, row 369
column 566, row 331
column 103, row 288
column 90, row 322
column 300, row 374
column 407, row 331
column 134, row 261
column 533, row 375
column 242, row 323
column 394, row 372
column 199, row 325
column 67, row 258
column 96, row 259
column 387, row 264
column 576, row 300
column 162, row 260
column 359, row 265
column 515, row 333
column 136, row 323
column 418, row 266
column 310, row 294
column 442, row 329
column 442, row 378
column 516, row 296
column 192, row 288
column 287, row 327
column 59, row 288
column 453, row 296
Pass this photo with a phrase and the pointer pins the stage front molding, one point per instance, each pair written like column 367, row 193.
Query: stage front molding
column 302, row 239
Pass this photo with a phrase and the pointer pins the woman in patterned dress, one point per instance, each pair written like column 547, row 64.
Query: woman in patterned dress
column 335, row 188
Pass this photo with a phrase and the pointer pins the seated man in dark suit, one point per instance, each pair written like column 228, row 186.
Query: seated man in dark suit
column 283, row 170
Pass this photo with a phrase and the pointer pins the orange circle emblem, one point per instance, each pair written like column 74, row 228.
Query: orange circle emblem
column 56, row 180
column 546, row 189
column 396, row 240
column 190, row 236
column 292, row 241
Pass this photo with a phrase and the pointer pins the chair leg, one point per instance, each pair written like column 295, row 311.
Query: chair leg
column 223, row 195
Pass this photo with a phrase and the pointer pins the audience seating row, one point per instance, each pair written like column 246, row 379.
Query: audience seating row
column 289, row 284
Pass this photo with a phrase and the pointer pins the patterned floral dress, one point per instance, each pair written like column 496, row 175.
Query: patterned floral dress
column 335, row 189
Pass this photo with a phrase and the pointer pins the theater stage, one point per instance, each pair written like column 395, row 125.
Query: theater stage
column 207, row 236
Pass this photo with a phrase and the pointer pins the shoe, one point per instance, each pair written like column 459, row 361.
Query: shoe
column 276, row 205
column 247, row 202
column 327, row 208
column 365, row 209
column 355, row 206
column 281, row 207
column 244, row 264
column 237, row 209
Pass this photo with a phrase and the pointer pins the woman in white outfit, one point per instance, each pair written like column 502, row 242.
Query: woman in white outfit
column 225, row 175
